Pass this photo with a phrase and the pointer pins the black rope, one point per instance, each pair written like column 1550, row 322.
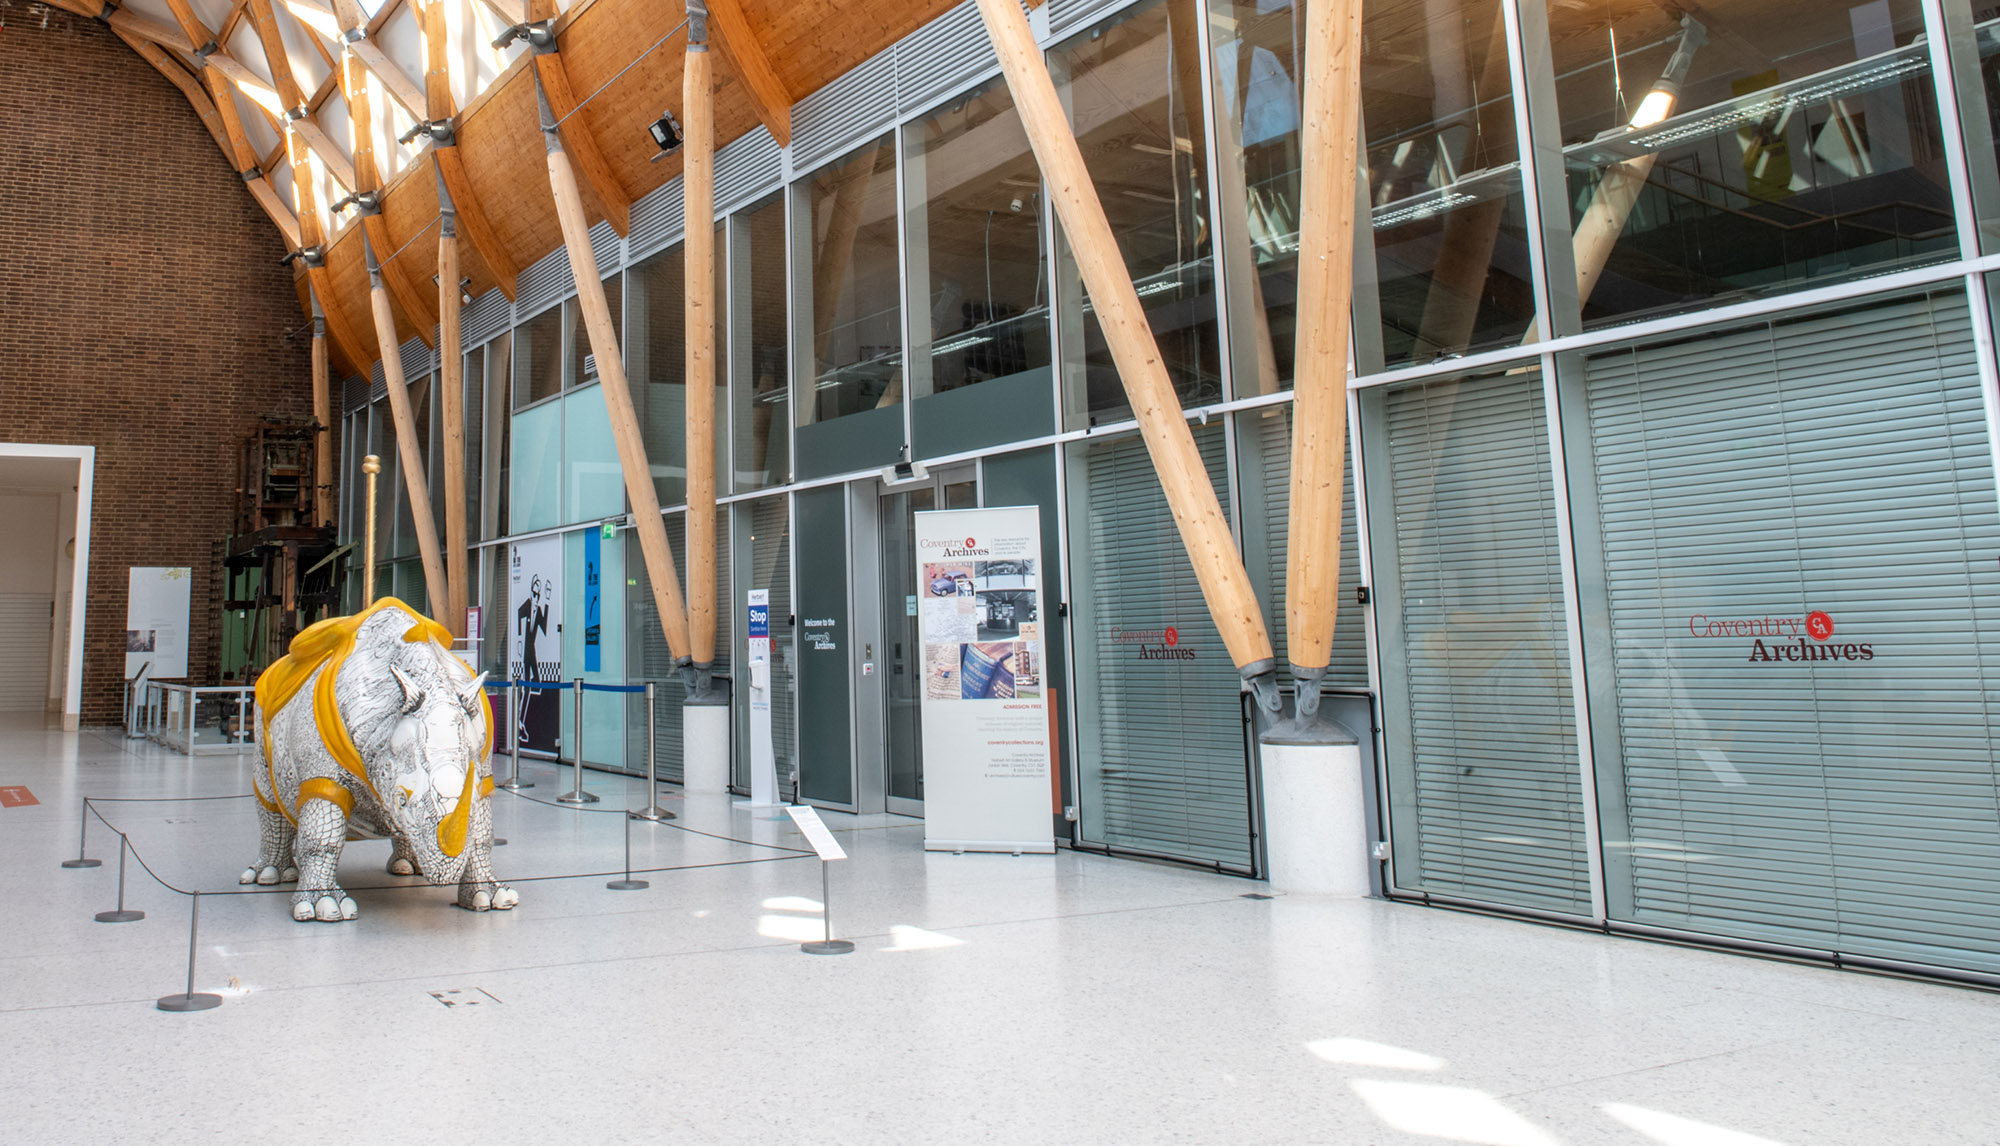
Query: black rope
column 662, row 823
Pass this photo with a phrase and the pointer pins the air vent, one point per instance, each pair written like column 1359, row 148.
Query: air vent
column 545, row 282
column 746, row 170
column 1068, row 15
column 947, row 53
column 354, row 394
column 488, row 315
column 607, row 247
column 845, row 112
column 418, row 360
column 656, row 219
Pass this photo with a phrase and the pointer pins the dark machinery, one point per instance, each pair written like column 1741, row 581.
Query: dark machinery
column 281, row 568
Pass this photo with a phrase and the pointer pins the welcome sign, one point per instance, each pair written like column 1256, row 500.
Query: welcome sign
column 985, row 729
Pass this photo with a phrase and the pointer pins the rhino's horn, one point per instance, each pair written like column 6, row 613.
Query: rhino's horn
column 412, row 695
column 468, row 694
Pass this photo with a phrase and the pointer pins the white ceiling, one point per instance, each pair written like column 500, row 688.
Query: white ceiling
column 37, row 475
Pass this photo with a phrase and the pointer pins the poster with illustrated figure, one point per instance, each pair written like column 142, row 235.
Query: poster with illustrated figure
column 985, row 728
column 534, row 639
column 156, row 621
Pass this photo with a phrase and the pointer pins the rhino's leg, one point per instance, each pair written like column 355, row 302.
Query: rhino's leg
column 402, row 858
column 274, row 858
column 478, row 889
column 321, row 832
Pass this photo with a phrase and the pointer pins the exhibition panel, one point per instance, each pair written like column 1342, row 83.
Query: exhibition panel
column 1798, row 521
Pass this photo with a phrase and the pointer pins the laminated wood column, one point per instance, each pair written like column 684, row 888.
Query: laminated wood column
column 1225, row 585
column 437, row 590
column 451, row 405
column 1331, row 123
column 653, row 544
column 698, row 190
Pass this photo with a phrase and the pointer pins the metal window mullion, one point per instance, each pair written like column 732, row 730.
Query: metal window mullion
column 1219, row 251
column 1944, row 80
column 1538, row 76
column 1579, row 690
column 903, row 286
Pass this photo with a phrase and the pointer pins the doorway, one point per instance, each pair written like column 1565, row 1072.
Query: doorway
column 902, row 679
column 43, row 595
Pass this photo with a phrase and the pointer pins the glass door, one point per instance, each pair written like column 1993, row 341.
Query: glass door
column 903, row 684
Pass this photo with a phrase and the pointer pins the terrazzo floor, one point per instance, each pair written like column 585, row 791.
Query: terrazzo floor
column 991, row 999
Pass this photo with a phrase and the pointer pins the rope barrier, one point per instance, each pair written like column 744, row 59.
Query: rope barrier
column 589, row 687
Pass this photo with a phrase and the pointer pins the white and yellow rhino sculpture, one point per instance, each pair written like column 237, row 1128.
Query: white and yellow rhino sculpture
column 370, row 728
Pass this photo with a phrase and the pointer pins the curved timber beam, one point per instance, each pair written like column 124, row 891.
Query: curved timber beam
column 553, row 82
column 767, row 89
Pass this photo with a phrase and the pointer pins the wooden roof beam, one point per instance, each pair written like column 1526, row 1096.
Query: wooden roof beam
column 132, row 25
column 767, row 89
column 265, row 22
column 398, row 85
column 414, row 303
column 553, row 82
column 472, row 216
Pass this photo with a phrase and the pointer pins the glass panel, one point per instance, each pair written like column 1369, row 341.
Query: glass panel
column 762, row 394
column 975, row 244
column 903, row 690
column 1756, row 148
column 592, row 478
column 1789, row 676
column 498, row 438
column 538, row 357
column 856, row 322
column 1485, row 795
column 656, row 365
column 1133, row 88
column 472, row 408
column 580, row 357
column 1447, row 221
column 536, row 476
column 404, row 542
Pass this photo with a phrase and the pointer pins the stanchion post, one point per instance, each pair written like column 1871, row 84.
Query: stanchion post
column 83, row 830
column 652, row 810
column 121, row 915
column 828, row 945
column 628, row 883
column 576, row 794
column 514, row 782
column 188, row 1000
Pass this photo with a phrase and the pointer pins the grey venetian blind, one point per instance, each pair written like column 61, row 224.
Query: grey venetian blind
column 1348, row 667
column 1485, row 777
column 655, row 660
column 1162, row 758
column 1836, row 464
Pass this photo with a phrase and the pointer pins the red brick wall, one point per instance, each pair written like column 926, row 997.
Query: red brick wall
column 142, row 311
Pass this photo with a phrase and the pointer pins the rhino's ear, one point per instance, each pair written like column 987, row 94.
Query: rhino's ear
column 468, row 694
column 412, row 695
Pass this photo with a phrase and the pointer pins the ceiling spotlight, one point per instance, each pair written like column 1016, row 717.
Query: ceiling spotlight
column 666, row 133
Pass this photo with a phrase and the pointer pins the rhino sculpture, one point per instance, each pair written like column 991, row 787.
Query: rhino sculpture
column 371, row 729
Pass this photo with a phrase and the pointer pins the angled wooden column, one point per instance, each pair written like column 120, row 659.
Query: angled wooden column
column 653, row 544
column 451, row 394
column 1330, row 124
column 698, row 190
column 322, row 383
column 1225, row 584
column 437, row 590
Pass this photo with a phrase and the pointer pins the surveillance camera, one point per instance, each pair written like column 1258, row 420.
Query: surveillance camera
column 1015, row 206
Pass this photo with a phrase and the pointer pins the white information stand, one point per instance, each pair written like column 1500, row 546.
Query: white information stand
column 828, row 849
column 763, row 758
column 985, row 722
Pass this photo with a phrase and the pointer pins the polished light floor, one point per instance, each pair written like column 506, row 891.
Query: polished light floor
column 990, row 999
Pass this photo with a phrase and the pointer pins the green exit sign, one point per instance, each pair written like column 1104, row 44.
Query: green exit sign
column 610, row 529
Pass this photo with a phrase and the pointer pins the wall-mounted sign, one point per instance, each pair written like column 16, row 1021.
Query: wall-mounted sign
column 985, row 730
column 593, row 602
column 156, row 621
column 1795, row 639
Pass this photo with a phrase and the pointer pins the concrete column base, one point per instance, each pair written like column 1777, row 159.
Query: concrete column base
column 705, row 748
column 1315, row 826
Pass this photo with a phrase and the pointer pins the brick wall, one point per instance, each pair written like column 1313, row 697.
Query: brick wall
column 142, row 311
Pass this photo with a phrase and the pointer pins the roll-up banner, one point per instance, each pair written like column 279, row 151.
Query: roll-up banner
column 534, row 643
column 986, row 735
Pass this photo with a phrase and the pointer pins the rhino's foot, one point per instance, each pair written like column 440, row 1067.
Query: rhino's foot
column 329, row 906
column 267, row 875
column 401, row 865
column 487, row 896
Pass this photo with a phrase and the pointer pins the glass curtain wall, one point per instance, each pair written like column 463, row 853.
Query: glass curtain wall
column 656, row 352
column 1744, row 148
column 978, row 277
column 761, row 397
column 851, row 393
column 1133, row 89
column 538, row 360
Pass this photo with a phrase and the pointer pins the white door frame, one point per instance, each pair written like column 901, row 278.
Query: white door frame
column 86, row 462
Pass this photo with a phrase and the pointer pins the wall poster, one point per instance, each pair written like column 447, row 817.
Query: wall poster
column 156, row 621
column 534, row 641
column 985, row 731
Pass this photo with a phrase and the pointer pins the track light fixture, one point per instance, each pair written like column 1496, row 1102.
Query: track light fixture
column 540, row 36
column 666, row 133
